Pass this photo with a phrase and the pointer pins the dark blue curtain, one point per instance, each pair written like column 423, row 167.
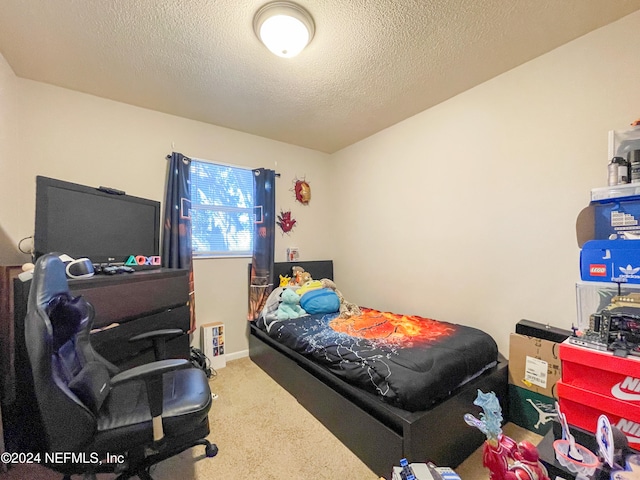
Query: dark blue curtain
column 264, row 190
column 176, row 238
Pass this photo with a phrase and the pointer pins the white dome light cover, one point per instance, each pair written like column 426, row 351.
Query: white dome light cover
column 284, row 27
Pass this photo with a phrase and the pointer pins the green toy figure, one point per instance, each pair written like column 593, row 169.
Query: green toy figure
column 289, row 305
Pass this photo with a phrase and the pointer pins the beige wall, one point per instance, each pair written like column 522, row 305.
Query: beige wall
column 466, row 212
column 51, row 131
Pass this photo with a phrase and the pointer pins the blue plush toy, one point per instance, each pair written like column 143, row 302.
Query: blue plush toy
column 289, row 305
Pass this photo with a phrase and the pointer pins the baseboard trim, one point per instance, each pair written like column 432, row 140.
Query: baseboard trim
column 237, row 355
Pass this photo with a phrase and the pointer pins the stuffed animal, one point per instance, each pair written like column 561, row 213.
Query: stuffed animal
column 289, row 305
column 347, row 309
column 300, row 276
column 307, row 286
column 284, row 280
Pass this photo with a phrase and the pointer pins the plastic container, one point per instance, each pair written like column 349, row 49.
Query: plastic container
column 625, row 141
column 615, row 191
column 592, row 297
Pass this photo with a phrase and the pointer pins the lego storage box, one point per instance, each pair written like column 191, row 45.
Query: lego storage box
column 534, row 370
column 609, row 219
column 610, row 261
column 596, row 382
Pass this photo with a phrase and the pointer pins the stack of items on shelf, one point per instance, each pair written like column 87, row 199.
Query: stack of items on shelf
column 608, row 231
column 599, row 390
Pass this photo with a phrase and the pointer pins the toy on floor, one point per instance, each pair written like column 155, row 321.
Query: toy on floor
column 289, row 305
column 527, row 465
column 572, row 456
column 614, row 451
column 505, row 459
column 422, row 471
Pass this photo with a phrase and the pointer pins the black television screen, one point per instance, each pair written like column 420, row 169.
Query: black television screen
column 84, row 221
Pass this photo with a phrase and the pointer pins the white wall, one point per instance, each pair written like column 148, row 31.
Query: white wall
column 51, row 131
column 466, row 212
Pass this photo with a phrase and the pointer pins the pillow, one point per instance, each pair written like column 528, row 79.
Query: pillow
column 322, row 300
column 92, row 385
column 65, row 314
column 272, row 303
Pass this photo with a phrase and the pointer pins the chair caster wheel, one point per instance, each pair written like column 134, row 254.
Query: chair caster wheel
column 211, row 450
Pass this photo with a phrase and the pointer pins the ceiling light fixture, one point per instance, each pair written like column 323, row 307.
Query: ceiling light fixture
column 285, row 28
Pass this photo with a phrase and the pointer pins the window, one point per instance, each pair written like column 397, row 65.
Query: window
column 222, row 217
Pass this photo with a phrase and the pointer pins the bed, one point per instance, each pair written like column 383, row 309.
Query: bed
column 380, row 408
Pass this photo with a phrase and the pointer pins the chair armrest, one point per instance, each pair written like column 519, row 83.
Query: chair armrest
column 169, row 332
column 159, row 339
column 150, row 370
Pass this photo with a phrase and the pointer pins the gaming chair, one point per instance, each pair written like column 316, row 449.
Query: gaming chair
column 88, row 409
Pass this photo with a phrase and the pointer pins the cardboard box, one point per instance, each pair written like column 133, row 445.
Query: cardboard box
column 213, row 344
column 609, row 218
column 617, row 216
column 531, row 410
column 610, row 261
column 534, row 364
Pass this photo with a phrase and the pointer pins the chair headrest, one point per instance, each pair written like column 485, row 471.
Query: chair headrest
column 49, row 280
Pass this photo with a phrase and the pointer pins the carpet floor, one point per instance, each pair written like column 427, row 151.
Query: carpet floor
column 262, row 432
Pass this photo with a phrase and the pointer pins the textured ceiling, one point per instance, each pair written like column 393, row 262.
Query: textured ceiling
column 371, row 64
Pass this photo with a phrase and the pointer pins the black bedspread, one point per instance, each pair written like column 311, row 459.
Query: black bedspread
column 410, row 361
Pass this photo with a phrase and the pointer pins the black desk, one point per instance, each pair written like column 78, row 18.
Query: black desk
column 133, row 303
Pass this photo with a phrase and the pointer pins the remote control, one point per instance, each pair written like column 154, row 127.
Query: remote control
column 112, row 191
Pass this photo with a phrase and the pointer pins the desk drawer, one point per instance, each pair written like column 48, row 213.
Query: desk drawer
column 126, row 296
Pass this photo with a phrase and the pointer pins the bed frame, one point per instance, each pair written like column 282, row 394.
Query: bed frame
column 378, row 433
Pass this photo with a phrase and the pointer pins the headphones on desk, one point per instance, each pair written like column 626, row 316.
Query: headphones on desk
column 79, row 268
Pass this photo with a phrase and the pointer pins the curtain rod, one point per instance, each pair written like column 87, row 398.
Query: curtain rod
column 168, row 157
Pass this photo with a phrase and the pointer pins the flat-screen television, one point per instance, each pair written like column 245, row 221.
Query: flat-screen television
column 102, row 224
